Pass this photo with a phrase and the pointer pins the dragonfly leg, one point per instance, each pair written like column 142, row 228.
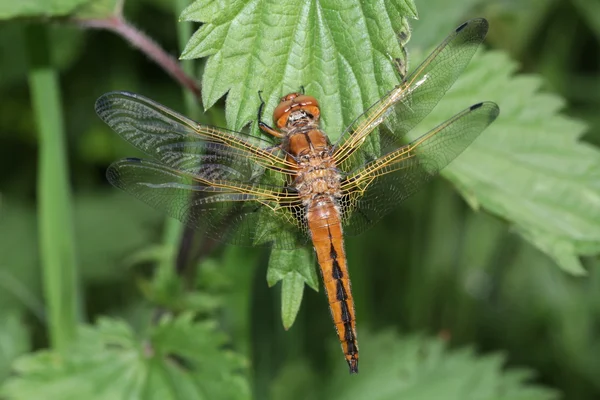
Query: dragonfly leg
column 267, row 129
column 261, row 125
column 273, row 149
column 279, row 147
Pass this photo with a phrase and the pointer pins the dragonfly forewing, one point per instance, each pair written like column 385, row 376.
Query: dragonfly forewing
column 406, row 105
column 184, row 144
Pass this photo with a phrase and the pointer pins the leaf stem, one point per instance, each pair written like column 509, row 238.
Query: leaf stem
column 138, row 39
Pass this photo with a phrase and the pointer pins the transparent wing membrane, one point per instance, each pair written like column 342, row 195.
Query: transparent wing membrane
column 375, row 189
column 406, row 105
column 247, row 215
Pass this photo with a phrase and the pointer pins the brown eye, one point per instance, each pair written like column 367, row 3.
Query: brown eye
column 308, row 104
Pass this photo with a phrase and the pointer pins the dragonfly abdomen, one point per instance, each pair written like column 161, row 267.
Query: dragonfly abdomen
column 326, row 232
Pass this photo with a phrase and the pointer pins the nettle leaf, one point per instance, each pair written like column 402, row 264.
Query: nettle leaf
column 58, row 8
column 411, row 367
column 342, row 55
column 178, row 359
column 415, row 367
column 347, row 57
column 38, row 8
column 293, row 268
column 529, row 167
column 98, row 9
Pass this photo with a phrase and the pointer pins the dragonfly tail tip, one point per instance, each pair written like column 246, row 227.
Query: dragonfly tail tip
column 353, row 364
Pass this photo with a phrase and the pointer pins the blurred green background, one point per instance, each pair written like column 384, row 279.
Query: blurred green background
column 434, row 267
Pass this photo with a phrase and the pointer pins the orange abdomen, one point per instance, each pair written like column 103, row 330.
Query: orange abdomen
column 326, row 231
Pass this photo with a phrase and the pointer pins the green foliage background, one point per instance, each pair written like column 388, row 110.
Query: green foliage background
column 484, row 285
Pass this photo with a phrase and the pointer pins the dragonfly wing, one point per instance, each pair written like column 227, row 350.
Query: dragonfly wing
column 374, row 190
column 243, row 214
column 406, row 105
column 186, row 145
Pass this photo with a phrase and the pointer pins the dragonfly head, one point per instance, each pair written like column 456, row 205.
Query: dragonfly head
column 296, row 109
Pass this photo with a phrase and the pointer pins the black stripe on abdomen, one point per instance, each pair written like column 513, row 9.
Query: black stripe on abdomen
column 342, row 297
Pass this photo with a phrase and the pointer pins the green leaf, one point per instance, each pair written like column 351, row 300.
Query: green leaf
column 563, row 252
column 342, row 55
column 59, row 8
column 292, row 288
column 38, row 8
column 420, row 368
column 178, row 359
column 294, row 268
column 285, row 262
column 416, row 368
column 97, row 9
column 529, row 167
column 169, row 293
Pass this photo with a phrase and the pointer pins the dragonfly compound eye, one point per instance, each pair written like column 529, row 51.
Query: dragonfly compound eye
column 295, row 101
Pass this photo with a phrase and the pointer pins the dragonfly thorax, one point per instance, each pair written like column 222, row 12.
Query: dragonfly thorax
column 317, row 176
column 303, row 143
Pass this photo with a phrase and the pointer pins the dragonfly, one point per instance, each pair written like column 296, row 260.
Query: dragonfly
column 292, row 186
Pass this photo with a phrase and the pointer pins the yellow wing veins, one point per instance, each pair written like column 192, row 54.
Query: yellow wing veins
column 258, row 154
column 217, row 135
column 385, row 164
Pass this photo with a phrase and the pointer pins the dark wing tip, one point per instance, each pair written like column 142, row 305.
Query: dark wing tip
column 461, row 27
column 476, row 106
column 477, row 23
column 493, row 108
column 104, row 101
column 114, row 172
